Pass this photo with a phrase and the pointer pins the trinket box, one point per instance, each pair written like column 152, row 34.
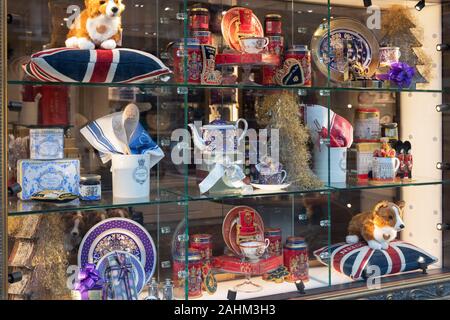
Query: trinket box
column 235, row 264
column 47, row 144
column 38, row 175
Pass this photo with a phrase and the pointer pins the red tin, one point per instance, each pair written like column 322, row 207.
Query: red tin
column 275, row 47
column 202, row 243
column 54, row 106
column 273, row 25
column 203, row 37
column 193, row 53
column 296, row 259
column 195, row 264
column 274, row 236
column 302, row 54
column 199, row 19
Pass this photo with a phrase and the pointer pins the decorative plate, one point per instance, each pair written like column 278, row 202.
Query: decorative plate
column 118, row 234
column 138, row 269
column 349, row 38
column 230, row 28
column 229, row 228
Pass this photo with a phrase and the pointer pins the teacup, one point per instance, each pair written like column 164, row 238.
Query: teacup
column 385, row 169
column 254, row 44
column 272, row 179
column 253, row 250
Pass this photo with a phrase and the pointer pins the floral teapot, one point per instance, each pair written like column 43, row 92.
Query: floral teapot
column 219, row 136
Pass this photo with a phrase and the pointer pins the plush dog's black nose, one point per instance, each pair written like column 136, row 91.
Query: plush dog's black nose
column 115, row 9
column 402, row 226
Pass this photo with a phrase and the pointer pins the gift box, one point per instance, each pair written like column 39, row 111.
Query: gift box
column 46, row 144
column 89, row 285
column 120, row 281
column 236, row 265
column 39, row 175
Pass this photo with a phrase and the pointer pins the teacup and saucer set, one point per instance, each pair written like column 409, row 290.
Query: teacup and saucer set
column 270, row 175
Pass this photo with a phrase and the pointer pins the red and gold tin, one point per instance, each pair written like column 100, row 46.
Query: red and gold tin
column 296, row 259
column 302, row 55
column 199, row 19
column 194, row 275
column 203, row 37
column 202, row 243
column 275, row 47
column 273, row 25
column 193, row 52
column 274, row 236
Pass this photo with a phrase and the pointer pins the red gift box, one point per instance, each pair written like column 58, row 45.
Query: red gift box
column 236, row 265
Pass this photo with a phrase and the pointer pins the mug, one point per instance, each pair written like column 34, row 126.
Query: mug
column 253, row 250
column 254, row 44
column 385, row 169
column 275, row 178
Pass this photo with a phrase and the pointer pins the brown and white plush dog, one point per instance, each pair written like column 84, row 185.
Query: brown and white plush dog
column 378, row 227
column 98, row 26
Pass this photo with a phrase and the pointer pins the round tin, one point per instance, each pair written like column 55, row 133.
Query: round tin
column 194, row 275
column 275, row 47
column 202, row 243
column 296, row 259
column 199, row 19
column 367, row 125
column 301, row 54
column 203, row 37
column 273, row 25
column 274, row 236
column 90, row 187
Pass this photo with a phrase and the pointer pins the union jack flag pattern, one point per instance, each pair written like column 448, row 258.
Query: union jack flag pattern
column 97, row 66
column 353, row 259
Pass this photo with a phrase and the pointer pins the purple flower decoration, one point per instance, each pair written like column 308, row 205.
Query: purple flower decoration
column 400, row 73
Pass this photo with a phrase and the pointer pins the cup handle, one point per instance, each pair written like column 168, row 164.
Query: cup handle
column 266, row 42
column 244, row 133
column 397, row 165
column 267, row 241
column 284, row 173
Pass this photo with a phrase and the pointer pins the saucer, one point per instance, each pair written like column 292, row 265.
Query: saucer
column 271, row 187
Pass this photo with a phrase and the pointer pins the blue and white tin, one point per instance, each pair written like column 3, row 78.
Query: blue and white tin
column 47, row 144
column 38, row 175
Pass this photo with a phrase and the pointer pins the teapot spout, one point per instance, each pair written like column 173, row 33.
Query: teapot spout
column 198, row 140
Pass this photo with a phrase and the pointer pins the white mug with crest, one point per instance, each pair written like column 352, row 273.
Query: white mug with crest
column 385, row 169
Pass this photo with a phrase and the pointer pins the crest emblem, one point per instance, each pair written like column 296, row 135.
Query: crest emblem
column 141, row 172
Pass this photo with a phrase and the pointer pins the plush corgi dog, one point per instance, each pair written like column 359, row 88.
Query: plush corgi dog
column 378, row 227
column 98, row 26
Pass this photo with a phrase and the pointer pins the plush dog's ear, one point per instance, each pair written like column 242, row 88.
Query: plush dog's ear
column 380, row 205
column 400, row 204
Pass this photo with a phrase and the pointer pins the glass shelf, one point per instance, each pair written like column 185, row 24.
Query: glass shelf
column 174, row 195
column 233, row 86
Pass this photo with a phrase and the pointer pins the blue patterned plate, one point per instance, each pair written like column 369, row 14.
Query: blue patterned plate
column 118, row 234
column 138, row 269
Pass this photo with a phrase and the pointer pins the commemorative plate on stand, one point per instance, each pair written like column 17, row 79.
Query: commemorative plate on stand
column 138, row 270
column 350, row 40
column 118, row 234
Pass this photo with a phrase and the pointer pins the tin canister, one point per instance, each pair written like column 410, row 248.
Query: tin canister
column 199, row 19
column 46, row 143
column 274, row 236
column 275, row 46
column 273, row 25
column 193, row 53
column 302, row 55
column 194, row 275
column 367, row 125
column 202, row 242
column 296, row 259
column 203, row 37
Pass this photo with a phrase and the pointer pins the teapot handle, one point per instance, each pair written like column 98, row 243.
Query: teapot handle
column 244, row 133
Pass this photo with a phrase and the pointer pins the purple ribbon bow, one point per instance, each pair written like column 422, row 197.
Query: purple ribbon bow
column 399, row 73
column 88, row 278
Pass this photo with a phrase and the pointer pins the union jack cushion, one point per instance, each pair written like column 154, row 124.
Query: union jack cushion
column 353, row 259
column 99, row 66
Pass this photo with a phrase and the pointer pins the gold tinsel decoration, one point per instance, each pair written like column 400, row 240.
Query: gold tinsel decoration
column 50, row 260
column 281, row 111
column 396, row 20
column 14, row 224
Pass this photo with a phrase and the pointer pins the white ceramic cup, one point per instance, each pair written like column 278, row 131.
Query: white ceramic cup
column 385, row 168
column 254, row 44
column 338, row 164
column 131, row 176
column 253, row 250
